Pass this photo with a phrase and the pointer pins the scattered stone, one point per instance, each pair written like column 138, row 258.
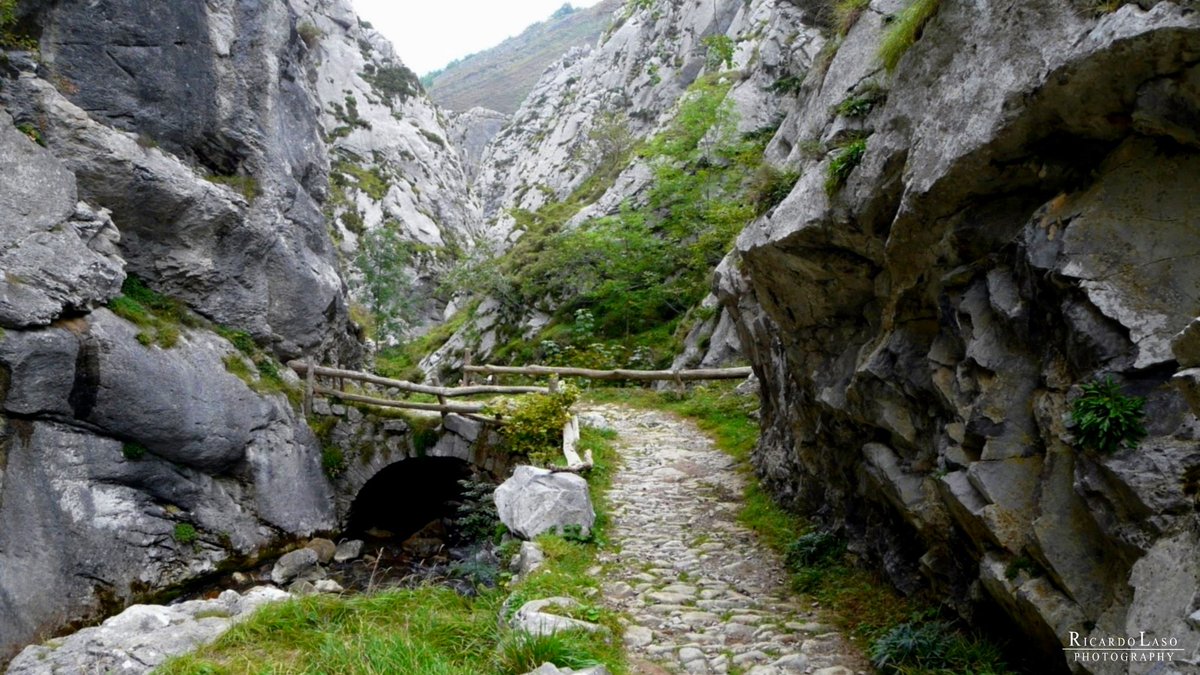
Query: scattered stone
column 302, row 587
column 595, row 421
column 325, row 549
column 528, row 559
column 348, row 550
column 793, row 663
column 299, row 564
column 638, row 636
column 329, row 586
column 531, row 619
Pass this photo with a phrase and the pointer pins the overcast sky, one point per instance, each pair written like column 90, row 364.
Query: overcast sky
column 431, row 33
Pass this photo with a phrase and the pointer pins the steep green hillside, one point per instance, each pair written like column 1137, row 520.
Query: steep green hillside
column 499, row 78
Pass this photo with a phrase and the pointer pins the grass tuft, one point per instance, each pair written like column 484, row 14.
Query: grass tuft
column 905, row 30
column 843, row 163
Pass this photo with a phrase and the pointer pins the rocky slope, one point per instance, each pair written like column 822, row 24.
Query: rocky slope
column 1022, row 222
column 201, row 150
column 500, row 78
column 576, row 130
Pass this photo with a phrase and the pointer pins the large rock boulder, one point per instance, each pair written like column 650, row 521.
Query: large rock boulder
column 535, row 500
column 143, row 636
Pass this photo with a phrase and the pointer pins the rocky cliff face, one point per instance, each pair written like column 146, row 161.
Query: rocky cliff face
column 559, row 146
column 1023, row 221
column 215, row 152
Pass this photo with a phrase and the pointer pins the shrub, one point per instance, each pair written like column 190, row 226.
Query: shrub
column 310, row 34
column 843, row 163
column 533, row 424
column 905, row 30
column 476, row 518
column 245, row 185
column 333, row 461
column 157, row 315
column 720, row 51
column 394, row 81
column 770, row 186
column 185, row 533
column 1106, row 419
column 814, row 549
column 861, row 104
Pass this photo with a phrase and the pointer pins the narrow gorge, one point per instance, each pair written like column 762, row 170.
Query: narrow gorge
column 951, row 238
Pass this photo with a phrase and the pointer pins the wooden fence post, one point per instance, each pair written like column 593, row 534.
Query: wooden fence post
column 466, row 377
column 552, row 386
column 309, row 376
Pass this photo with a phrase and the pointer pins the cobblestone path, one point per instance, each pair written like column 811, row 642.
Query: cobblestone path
column 704, row 595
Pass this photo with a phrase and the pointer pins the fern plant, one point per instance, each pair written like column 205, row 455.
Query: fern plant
column 1106, row 419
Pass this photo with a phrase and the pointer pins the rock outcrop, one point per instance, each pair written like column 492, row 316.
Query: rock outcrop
column 211, row 151
column 1022, row 222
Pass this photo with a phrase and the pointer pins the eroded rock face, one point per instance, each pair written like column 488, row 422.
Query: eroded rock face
column 111, row 488
column 920, row 332
column 214, row 171
column 57, row 254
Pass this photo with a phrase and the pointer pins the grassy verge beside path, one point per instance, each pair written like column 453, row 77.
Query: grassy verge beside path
column 430, row 630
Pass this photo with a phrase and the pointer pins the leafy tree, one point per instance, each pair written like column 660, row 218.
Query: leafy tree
column 386, row 262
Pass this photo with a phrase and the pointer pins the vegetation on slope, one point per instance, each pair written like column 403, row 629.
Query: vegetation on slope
column 501, row 77
column 428, row 629
column 904, row 635
column 623, row 289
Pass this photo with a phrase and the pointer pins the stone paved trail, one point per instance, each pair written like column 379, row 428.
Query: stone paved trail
column 704, row 595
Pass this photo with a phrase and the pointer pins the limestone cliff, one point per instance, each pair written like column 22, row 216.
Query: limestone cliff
column 177, row 187
column 1023, row 222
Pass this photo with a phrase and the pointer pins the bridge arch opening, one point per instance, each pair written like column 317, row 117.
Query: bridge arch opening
column 407, row 496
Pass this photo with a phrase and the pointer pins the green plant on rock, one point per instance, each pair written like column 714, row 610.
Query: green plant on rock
column 905, row 30
column 32, row 132
column 333, row 461
column 157, row 315
column 533, row 424
column 310, row 34
column 843, row 163
column 185, row 533
column 847, row 12
column 862, row 103
column 244, row 184
column 813, row 549
column 720, row 51
column 1107, row 420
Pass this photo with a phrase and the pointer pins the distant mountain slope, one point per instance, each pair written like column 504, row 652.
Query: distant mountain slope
column 499, row 78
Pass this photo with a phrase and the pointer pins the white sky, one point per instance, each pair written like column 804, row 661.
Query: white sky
column 430, row 33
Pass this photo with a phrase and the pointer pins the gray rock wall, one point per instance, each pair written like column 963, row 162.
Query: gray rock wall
column 190, row 145
column 1023, row 222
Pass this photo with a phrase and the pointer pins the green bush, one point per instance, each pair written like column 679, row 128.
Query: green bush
column 720, row 51
column 333, row 461
column 905, row 30
column 185, row 533
column 476, row 519
column 843, row 163
column 533, row 424
column 1106, row 419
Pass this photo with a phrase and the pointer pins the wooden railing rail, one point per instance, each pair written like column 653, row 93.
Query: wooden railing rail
column 619, row 374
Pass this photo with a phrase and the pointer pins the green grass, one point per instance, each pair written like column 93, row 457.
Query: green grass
column 846, row 13
column 843, row 163
column 158, row 316
column 427, row 630
column 905, row 30
column 245, row 185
